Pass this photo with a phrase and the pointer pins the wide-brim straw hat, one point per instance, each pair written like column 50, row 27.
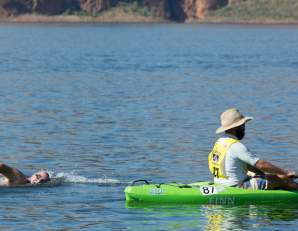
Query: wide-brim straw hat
column 231, row 118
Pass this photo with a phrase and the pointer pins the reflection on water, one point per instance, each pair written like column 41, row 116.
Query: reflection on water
column 245, row 217
column 215, row 217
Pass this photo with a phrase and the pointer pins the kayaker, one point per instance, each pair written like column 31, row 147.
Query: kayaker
column 230, row 161
column 14, row 177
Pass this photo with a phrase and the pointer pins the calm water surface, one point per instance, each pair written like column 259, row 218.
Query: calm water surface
column 102, row 105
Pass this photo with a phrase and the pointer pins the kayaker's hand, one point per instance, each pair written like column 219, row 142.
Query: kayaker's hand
column 292, row 174
column 288, row 175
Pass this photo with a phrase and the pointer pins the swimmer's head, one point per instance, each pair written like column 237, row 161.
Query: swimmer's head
column 39, row 177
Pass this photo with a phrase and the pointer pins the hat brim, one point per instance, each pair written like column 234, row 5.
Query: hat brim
column 234, row 125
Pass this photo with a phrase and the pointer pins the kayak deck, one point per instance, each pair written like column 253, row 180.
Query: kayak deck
column 205, row 193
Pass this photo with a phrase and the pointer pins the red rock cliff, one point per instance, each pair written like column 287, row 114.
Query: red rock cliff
column 196, row 9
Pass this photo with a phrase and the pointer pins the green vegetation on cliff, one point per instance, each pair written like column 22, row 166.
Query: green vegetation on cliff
column 122, row 12
column 122, row 9
column 126, row 12
column 256, row 11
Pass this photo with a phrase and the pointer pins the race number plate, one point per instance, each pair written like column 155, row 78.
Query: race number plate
column 208, row 190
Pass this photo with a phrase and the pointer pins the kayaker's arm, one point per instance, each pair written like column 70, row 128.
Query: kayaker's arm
column 255, row 170
column 267, row 167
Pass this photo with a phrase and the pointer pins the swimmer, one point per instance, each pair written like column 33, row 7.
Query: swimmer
column 14, row 177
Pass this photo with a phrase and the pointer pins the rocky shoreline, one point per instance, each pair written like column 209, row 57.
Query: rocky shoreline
column 73, row 19
column 149, row 11
column 33, row 18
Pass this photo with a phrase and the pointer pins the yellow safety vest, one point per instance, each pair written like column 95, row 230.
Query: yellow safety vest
column 217, row 155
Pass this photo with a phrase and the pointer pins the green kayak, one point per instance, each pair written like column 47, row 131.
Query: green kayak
column 204, row 193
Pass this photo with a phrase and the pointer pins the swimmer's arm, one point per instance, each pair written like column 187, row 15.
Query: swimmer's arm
column 13, row 175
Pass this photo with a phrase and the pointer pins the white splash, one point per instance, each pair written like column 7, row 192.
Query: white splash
column 73, row 178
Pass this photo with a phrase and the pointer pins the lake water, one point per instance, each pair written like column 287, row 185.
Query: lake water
column 103, row 105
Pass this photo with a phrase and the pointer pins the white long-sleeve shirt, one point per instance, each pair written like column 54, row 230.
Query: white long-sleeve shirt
column 235, row 163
